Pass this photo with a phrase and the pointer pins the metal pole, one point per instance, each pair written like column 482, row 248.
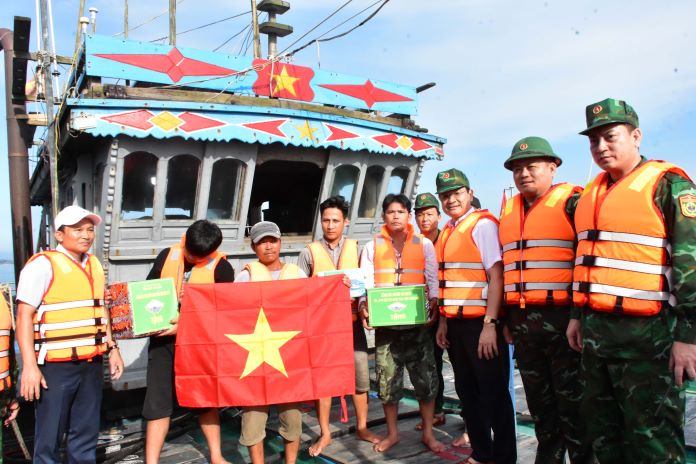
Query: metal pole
column 255, row 27
column 172, row 22
column 18, row 160
column 272, row 38
column 93, row 18
column 50, row 143
column 78, row 36
column 125, row 20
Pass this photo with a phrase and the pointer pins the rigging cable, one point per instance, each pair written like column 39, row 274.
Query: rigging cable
column 319, row 39
column 202, row 26
column 178, row 2
column 228, row 40
column 315, row 27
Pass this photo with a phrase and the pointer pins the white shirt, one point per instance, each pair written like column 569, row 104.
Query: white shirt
column 485, row 235
column 367, row 265
column 36, row 277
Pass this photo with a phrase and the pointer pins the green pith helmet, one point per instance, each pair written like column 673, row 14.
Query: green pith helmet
column 531, row 147
column 609, row 111
column 426, row 200
column 452, row 179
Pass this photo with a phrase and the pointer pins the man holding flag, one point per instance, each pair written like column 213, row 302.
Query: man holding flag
column 333, row 252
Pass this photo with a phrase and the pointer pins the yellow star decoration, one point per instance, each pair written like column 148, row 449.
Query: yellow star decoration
column 284, row 81
column 263, row 346
column 306, row 130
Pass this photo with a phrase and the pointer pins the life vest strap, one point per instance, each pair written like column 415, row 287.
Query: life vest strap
column 95, row 303
column 398, row 271
column 460, row 265
column 461, row 284
column 524, row 244
column 624, row 237
column 453, row 302
column 523, row 286
column 522, row 265
column 597, row 261
column 4, row 375
column 42, row 328
column 588, row 287
column 4, row 354
column 4, row 333
column 43, row 348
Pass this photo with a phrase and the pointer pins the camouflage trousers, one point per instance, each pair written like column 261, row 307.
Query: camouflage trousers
column 411, row 348
column 550, row 372
column 634, row 410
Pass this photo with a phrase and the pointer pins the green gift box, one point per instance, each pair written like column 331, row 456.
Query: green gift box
column 139, row 309
column 403, row 305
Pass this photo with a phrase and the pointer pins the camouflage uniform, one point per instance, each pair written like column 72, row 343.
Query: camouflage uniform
column 625, row 359
column 413, row 348
column 550, row 372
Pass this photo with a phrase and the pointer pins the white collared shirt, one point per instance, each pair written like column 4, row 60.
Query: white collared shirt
column 485, row 235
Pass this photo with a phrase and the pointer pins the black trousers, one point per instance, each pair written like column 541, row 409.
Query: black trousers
column 482, row 387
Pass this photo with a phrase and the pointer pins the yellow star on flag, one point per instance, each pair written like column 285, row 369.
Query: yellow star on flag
column 306, row 130
column 263, row 346
column 284, row 81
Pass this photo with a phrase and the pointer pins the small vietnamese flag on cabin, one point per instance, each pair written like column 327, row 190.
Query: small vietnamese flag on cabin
column 503, row 203
column 259, row 343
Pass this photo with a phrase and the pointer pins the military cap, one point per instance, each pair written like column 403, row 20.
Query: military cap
column 531, row 147
column 452, row 179
column 609, row 111
column 426, row 200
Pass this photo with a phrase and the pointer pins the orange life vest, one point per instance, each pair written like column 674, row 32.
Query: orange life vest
column 201, row 273
column 5, row 330
column 321, row 260
column 259, row 272
column 463, row 279
column 391, row 271
column 623, row 249
column 538, row 248
column 70, row 322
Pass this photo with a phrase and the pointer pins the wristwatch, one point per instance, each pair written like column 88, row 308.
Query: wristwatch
column 112, row 347
column 489, row 320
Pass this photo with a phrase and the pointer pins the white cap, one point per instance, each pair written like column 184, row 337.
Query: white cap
column 71, row 215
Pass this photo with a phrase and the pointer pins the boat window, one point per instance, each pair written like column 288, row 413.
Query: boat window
column 370, row 192
column 138, row 188
column 345, row 179
column 397, row 181
column 291, row 190
column 182, row 183
column 224, row 187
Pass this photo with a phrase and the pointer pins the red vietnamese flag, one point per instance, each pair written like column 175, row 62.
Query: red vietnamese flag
column 259, row 343
column 283, row 80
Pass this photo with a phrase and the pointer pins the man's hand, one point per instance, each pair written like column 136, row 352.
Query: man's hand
column 31, row 383
column 115, row 363
column 12, row 411
column 574, row 334
column 346, row 281
column 364, row 315
column 488, row 343
column 433, row 311
column 682, row 360
column 441, row 334
column 172, row 330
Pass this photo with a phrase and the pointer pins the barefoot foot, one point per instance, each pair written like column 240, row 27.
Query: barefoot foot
column 386, row 443
column 434, row 445
column 366, row 435
column 462, row 441
column 318, row 447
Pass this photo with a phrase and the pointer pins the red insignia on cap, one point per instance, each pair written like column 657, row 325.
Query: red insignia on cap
column 523, row 146
column 423, row 197
column 445, row 175
column 597, row 109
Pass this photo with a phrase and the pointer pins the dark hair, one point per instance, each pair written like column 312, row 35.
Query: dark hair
column 336, row 201
column 396, row 198
column 202, row 238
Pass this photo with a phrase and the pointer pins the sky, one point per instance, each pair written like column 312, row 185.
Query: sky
column 504, row 69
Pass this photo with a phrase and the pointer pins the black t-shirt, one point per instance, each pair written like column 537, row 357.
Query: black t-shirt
column 223, row 271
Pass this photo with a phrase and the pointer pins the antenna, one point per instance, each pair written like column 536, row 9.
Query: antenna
column 271, row 27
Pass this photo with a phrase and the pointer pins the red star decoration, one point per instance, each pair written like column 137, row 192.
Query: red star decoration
column 194, row 122
column 387, row 139
column 366, row 92
column 173, row 64
column 136, row 119
column 419, row 144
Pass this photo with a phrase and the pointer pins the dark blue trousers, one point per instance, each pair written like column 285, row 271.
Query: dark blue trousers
column 71, row 406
